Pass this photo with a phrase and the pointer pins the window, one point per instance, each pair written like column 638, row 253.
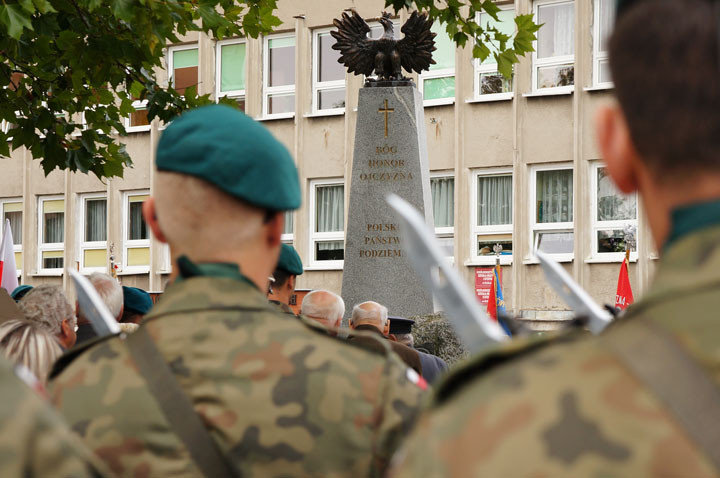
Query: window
column 604, row 20
column 327, row 237
column 492, row 210
column 328, row 75
column 288, row 236
column 552, row 195
column 138, row 120
column 553, row 60
column 183, row 67
column 279, row 76
column 230, row 74
column 93, row 234
column 51, row 237
column 12, row 210
column 613, row 213
column 437, row 85
column 136, row 247
column 442, row 189
column 487, row 79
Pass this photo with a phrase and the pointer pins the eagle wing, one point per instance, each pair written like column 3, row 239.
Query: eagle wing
column 418, row 44
column 357, row 51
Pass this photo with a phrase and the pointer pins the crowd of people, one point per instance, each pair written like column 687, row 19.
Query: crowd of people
column 221, row 378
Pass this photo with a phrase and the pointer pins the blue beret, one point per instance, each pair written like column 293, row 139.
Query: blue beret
column 289, row 260
column 20, row 292
column 231, row 151
column 136, row 300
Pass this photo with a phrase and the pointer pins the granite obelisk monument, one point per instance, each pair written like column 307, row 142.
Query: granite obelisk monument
column 390, row 156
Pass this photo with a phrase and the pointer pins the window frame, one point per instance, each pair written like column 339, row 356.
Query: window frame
column 91, row 245
column 128, row 244
column 536, row 227
column 477, row 230
column 479, row 68
column 137, row 104
column 598, row 55
column 268, row 91
column 16, row 247
column 324, row 236
column 234, row 94
column 170, row 61
column 437, row 74
column 597, row 225
column 554, row 61
column 49, row 247
column 317, row 85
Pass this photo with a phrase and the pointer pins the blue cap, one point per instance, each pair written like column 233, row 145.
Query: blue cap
column 20, row 292
column 136, row 300
column 234, row 153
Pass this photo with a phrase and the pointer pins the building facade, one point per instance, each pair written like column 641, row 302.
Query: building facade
column 512, row 162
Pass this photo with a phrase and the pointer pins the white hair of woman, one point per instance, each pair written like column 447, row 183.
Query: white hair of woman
column 47, row 306
column 27, row 343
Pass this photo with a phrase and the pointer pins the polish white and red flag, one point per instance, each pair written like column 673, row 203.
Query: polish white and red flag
column 8, row 269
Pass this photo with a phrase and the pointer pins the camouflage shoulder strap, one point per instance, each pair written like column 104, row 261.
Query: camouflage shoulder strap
column 176, row 406
column 655, row 357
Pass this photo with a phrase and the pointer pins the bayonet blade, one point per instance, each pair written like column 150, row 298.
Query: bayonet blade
column 473, row 326
column 92, row 306
column 574, row 295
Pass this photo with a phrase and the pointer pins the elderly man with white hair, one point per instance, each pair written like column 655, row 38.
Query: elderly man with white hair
column 110, row 291
column 47, row 306
column 371, row 318
column 325, row 307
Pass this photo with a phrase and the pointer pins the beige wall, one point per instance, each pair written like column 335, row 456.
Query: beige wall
column 516, row 133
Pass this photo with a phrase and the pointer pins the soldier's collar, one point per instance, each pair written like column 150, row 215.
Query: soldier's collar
column 688, row 219
column 229, row 270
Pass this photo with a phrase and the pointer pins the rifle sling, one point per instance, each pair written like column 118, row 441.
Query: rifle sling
column 176, row 406
column 655, row 357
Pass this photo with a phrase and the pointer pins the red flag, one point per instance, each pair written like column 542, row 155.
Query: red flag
column 492, row 300
column 624, row 296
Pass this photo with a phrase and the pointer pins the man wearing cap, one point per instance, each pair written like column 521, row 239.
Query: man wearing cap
column 433, row 367
column 643, row 399
column 272, row 393
column 137, row 304
column 289, row 266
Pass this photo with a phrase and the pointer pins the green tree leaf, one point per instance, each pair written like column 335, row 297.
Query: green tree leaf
column 14, row 18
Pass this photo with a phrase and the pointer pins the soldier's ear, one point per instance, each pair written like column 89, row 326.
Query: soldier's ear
column 150, row 216
column 618, row 150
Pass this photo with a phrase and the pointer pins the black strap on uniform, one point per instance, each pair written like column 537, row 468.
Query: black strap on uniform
column 655, row 357
column 176, row 406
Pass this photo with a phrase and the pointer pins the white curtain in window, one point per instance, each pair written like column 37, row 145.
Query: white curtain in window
column 54, row 227
column 96, row 220
column 329, row 206
column 607, row 19
column 288, row 222
column 494, row 201
column 554, row 196
column 138, row 228
column 443, row 192
column 557, row 36
column 15, row 218
column 613, row 206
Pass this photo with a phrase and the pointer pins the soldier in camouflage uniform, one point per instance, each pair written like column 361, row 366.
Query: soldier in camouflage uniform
column 288, row 268
column 34, row 441
column 618, row 404
column 278, row 397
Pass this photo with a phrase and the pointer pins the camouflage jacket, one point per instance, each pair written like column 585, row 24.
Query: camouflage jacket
column 34, row 441
column 279, row 397
column 569, row 406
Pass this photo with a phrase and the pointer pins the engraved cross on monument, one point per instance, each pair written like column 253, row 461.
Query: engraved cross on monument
column 390, row 156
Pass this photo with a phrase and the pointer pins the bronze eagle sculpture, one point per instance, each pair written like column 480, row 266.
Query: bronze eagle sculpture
column 385, row 56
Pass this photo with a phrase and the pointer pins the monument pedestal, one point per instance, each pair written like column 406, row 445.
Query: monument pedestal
column 390, row 157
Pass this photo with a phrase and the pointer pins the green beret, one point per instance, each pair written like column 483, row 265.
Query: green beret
column 231, row 151
column 20, row 292
column 136, row 300
column 290, row 260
